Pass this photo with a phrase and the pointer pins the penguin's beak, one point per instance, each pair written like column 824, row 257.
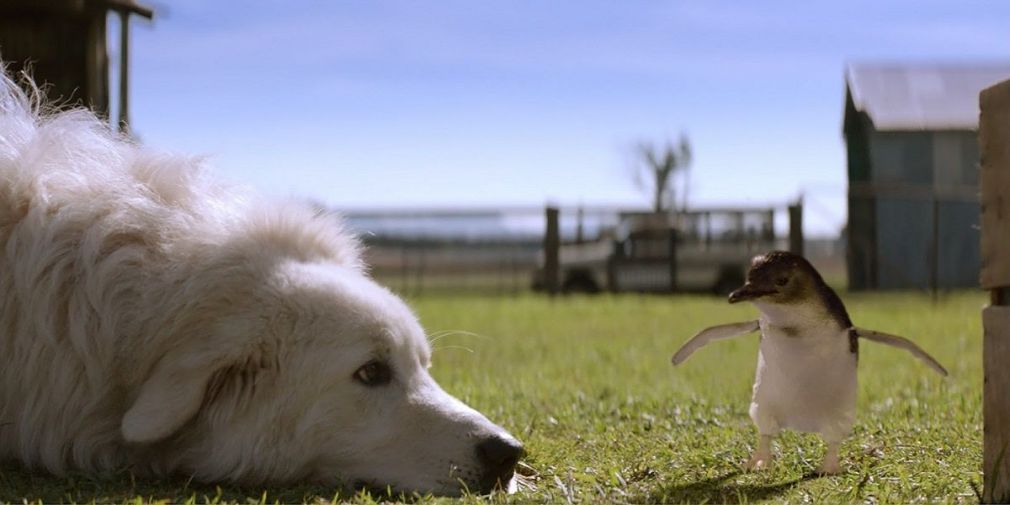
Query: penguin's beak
column 748, row 292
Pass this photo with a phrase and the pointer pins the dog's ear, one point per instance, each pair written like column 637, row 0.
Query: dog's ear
column 215, row 342
column 184, row 382
column 169, row 398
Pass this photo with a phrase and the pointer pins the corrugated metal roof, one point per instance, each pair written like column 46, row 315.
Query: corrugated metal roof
column 922, row 96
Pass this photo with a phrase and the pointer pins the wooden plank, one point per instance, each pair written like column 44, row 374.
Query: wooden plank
column 996, row 404
column 994, row 146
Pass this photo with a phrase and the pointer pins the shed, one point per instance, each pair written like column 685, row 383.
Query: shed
column 62, row 43
column 911, row 140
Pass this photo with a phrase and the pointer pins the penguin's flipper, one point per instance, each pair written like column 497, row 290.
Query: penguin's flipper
column 902, row 343
column 707, row 335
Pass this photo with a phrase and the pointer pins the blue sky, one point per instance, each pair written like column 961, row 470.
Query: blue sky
column 457, row 103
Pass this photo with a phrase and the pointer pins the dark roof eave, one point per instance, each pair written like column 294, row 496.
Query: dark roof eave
column 130, row 7
column 920, row 129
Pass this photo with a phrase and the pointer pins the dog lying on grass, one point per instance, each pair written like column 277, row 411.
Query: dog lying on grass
column 155, row 320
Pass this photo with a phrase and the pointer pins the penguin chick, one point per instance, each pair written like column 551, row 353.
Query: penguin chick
column 806, row 369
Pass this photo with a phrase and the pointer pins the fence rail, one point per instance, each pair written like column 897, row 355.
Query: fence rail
column 477, row 250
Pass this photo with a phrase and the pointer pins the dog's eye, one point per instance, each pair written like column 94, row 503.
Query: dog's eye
column 781, row 281
column 374, row 373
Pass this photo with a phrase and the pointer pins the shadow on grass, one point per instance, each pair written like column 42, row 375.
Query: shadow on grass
column 18, row 485
column 717, row 490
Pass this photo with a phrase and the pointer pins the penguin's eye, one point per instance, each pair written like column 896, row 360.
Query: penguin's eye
column 781, row 281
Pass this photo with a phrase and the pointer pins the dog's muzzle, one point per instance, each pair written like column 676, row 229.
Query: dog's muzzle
column 498, row 456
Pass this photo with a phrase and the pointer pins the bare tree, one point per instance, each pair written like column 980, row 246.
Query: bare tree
column 657, row 167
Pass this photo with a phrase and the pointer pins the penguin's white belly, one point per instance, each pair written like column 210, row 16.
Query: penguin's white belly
column 805, row 382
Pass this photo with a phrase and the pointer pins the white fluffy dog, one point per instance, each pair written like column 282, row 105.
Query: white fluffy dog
column 152, row 319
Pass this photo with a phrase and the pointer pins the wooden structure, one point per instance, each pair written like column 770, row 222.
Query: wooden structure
column 62, row 44
column 994, row 143
column 700, row 250
column 552, row 247
column 910, row 134
column 796, row 227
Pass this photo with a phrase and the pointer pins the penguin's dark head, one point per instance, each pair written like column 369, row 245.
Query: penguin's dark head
column 778, row 277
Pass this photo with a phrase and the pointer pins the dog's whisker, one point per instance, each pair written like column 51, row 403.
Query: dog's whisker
column 467, row 349
column 445, row 333
column 436, row 336
column 433, row 337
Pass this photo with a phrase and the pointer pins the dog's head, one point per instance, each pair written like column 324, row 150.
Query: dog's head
column 313, row 371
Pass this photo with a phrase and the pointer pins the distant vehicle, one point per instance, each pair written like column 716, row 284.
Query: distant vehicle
column 693, row 251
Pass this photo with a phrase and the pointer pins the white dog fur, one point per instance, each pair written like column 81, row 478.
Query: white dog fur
column 155, row 320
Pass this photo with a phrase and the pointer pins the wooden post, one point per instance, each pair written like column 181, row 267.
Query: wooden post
column 95, row 89
column 404, row 271
column 934, row 251
column 124, row 72
column 579, row 238
column 768, row 234
column 994, row 146
column 419, row 277
column 796, row 227
column 552, row 251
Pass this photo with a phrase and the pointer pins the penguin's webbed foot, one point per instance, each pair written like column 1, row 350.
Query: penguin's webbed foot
column 830, row 464
column 829, row 468
column 762, row 457
column 759, row 461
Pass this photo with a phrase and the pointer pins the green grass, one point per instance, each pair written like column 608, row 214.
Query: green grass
column 586, row 383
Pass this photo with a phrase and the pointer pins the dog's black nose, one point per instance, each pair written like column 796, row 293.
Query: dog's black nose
column 499, row 455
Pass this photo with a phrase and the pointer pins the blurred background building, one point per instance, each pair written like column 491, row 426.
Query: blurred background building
column 911, row 137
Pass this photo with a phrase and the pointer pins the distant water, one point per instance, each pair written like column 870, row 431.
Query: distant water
column 472, row 226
